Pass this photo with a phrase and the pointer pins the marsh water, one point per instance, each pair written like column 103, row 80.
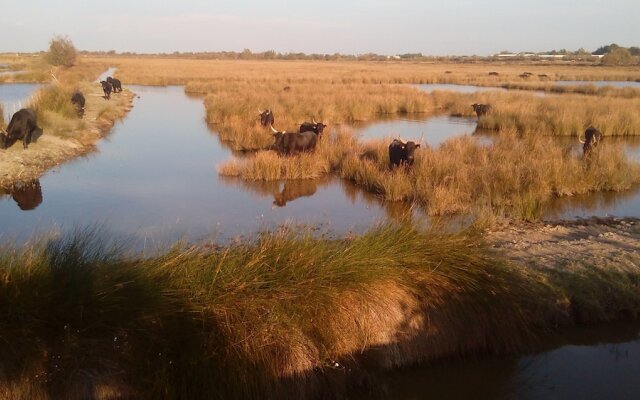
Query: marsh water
column 602, row 362
column 14, row 96
column 615, row 84
column 154, row 179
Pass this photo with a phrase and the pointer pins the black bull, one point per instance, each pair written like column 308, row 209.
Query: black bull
column 292, row 142
column 401, row 153
column 106, row 88
column 23, row 126
column 266, row 117
column 115, row 84
column 592, row 137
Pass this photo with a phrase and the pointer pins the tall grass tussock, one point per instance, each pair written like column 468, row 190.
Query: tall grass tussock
column 265, row 318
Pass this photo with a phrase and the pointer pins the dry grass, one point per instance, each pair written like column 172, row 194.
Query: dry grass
column 269, row 166
column 568, row 114
column 268, row 318
column 515, row 176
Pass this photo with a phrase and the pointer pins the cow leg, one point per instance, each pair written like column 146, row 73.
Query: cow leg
column 26, row 140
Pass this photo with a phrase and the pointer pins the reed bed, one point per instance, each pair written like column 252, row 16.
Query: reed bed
column 234, row 107
column 83, row 318
column 568, row 114
column 514, row 177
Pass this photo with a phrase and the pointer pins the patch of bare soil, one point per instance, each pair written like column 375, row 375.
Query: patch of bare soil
column 595, row 241
column 66, row 141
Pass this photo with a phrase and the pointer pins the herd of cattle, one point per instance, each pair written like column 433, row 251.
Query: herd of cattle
column 401, row 153
column 23, row 126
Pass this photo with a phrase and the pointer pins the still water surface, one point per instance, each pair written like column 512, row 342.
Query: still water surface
column 154, row 178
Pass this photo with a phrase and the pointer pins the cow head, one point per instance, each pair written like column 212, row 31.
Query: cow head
column 266, row 117
column 410, row 148
column 318, row 127
column 592, row 137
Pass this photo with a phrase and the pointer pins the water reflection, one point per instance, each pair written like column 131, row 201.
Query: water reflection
column 601, row 362
column 615, row 84
column 434, row 130
column 431, row 87
column 28, row 195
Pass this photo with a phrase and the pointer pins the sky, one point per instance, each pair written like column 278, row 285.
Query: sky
column 453, row 27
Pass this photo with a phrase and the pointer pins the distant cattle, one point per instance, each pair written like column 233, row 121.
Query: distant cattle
column 525, row 75
column 78, row 101
column 448, row 72
column 402, row 153
column 106, row 88
column 27, row 195
column 287, row 88
column 288, row 143
column 294, row 189
column 116, row 85
column 592, row 137
column 266, row 117
column 481, row 109
column 493, row 73
column 23, row 126
column 543, row 76
column 315, row 127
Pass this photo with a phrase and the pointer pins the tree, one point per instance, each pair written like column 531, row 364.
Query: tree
column 618, row 56
column 61, row 52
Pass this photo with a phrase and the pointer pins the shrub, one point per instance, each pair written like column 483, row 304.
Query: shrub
column 62, row 52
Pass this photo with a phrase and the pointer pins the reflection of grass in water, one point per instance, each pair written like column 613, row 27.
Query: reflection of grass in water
column 79, row 316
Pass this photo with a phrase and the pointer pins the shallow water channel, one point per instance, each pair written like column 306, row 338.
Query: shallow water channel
column 602, row 362
column 154, row 179
column 14, row 96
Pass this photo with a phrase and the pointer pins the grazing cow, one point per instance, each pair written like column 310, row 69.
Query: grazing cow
column 266, row 117
column 315, row 127
column 493, row 73
column 294, row 189
column 287, row 88
column 448, row 72
column 27, row 195
column 292, row 143
column 78, row 101
column 481, row 109
column 592, row 138
column 106, row 88
column 402, row 153
column 23, row 126
column 543, row 76
column 115, row 84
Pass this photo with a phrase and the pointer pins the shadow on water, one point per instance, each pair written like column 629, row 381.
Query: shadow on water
column 577, row 363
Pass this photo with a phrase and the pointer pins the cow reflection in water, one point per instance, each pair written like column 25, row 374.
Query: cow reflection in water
column 27, row 195
column 294, row 189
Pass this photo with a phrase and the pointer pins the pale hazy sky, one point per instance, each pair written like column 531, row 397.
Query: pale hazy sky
column 382, row 26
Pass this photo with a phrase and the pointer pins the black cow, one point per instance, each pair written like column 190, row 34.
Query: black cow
column 22, row 127
column 481, row 109
column 292, row 143
column 115, row 84
column 592, row 138
column 493, row 73
column 27, row 195
column 78, row 101
column 287, row 88
column 316, row 127
column 402, row 153
column 106, row 88
column 266, row 117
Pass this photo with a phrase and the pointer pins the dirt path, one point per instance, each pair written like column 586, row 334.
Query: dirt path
column 595, row 241
column 67, row 140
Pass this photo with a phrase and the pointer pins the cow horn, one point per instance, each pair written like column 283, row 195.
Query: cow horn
column 580, row 139
column 314, row 121
column 272, row 129
column 260, row 112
